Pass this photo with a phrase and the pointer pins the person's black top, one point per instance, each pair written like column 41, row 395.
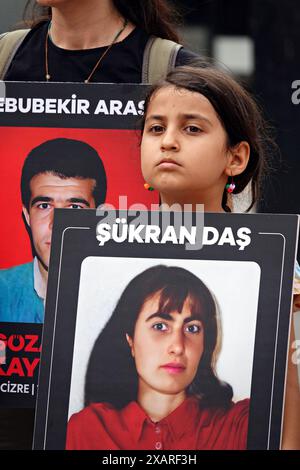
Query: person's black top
column 122, row 63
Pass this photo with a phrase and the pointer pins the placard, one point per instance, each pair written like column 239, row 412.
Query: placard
column 96, row 259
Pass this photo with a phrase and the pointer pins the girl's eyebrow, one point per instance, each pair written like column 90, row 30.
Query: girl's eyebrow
column 168, row 316
column 200, row 117
column 164, row 316
column 157, row 117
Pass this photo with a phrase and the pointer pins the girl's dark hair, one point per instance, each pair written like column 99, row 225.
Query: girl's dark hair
column 111, row 374
column 157, row 17
column 238, row 112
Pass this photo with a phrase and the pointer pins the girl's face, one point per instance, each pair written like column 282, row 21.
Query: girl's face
column 184, row 146
column 167, row 348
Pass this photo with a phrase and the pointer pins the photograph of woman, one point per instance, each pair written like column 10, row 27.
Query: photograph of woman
column 151, row 381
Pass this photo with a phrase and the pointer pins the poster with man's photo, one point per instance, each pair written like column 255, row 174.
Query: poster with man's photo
column 161, row 333
column 61, row 145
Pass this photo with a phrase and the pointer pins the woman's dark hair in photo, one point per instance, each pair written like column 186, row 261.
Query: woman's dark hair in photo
column 157, row 17
column 239, row 114
column 111, row 373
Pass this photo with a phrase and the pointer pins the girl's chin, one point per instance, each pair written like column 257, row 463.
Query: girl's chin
column 170, row 188
column 173, row 192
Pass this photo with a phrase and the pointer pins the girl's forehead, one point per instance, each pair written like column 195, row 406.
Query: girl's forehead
column 168, row 303
column 170, row 98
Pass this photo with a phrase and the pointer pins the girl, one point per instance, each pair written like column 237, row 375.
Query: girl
column 203, row 139
column 161, row 341
column 202, row 131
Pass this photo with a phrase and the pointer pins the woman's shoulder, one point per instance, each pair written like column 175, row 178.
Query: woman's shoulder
column 35, row 32
column 94, row 410
column 240, row 407
column 106, row 413
column 231, row 426
column 235, row 412
column 185, row 57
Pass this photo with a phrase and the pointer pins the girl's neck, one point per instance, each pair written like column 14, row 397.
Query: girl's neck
column 86, row 25
column 191, row 201
column 158, row 405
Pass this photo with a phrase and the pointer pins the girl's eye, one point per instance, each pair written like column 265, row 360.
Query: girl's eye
column 193, row 129
column 193, row 329
column 156, row 129
column 160, row 326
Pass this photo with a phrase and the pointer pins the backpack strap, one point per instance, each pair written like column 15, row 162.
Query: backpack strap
column 159, row 57
column 9, row 44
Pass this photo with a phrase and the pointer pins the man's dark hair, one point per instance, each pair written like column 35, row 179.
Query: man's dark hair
column 65, row 158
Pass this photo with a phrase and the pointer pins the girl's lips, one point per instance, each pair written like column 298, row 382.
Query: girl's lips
column 168, row 166
column 174, row 368
column 168, row 163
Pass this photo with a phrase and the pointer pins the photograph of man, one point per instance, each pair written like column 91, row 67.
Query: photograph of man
column 59, row 173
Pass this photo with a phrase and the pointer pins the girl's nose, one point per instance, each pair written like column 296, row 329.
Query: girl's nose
column 170, row 140
column 176, row 345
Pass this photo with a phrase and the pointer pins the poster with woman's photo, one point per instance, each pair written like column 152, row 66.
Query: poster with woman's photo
column 161, row 334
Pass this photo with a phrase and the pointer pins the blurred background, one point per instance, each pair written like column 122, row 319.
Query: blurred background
column 257, row 40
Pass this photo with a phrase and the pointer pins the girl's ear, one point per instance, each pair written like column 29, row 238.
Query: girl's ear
column 238, row 158
column 130, row 344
